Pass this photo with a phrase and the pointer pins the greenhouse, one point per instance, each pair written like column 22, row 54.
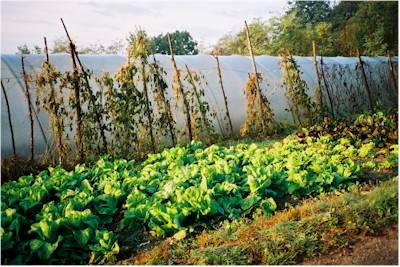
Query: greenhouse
column 342, row 74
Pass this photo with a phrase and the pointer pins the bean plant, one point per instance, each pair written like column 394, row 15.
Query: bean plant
column 50, row 97
column 164, row 120
column 300, row 104
column 259, row 115
column 199, row 107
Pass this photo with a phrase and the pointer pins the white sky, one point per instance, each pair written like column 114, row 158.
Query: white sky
column 91, row 22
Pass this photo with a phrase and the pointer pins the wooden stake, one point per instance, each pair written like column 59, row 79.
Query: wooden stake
column 255, row 70
column 46, row 50
column 78, row 109
column 392, row 76
column 148, row 113
column 224, row 95
column 326, row 87
column 28, row 97
column 9, row 120
column 185, row 102
column 321, row 106
column 364, row 76
column 167, row 108
column 92, row 97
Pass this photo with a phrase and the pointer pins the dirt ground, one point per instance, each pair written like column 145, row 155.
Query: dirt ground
column 370, row 250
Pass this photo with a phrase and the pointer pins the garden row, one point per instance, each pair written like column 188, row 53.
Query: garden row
column 83, row 215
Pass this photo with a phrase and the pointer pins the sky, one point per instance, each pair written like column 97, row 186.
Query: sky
column 101, row 22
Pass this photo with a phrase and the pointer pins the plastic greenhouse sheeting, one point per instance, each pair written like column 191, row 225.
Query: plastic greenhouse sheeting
column 342, row 76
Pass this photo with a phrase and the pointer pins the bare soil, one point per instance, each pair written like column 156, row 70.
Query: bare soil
column 369, row 250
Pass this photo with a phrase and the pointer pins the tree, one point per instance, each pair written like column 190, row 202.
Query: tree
column 37, row 50
column 182, row 42
column 23, row 50
column 338, row 30
column 373, row 29
column 260, row 35
column 60, row 45
column 310, row 11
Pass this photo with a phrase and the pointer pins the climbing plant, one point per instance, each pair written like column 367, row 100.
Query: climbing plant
column 164, row 120
column 300, row 104
column 199, row 108
column 259, row 115
column 50, row 97
column 92, row 126
column 123, row 104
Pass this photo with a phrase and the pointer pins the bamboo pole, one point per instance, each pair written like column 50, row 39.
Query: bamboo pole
column 202, row 111
column 326, row 87
column 46, row 50
column 391, row 72
column 364, row 77
column 28, row 97
column 54, row 110
column 167, row 108
column 178, row 77
column 148, row 113
column 224, row 95
column 249, row 46
column 9, row 120
column 92, row 97
column 321, row 106
column 78, row 109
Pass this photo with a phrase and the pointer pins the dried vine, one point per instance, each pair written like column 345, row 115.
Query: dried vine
column 300, row 105
column 50, row 99
column 165, row 122
column 259, row 115
column 124, row 104
column 179, row 93
column 140, row 54
column 199, row 108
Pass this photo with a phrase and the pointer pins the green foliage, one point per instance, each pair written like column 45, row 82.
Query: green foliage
column 312, row 12
column 23, row 50
column 182, row 42
column 124, row 106
column 60, row 216
column 378, row 128
column 310, row 229
column 337, row 30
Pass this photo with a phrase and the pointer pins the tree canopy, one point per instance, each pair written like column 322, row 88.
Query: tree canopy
column 337, row 30
column 182, row 41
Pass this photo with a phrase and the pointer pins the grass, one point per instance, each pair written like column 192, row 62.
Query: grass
column 312, row 228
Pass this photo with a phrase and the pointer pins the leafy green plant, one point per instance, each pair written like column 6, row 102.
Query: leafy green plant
column 81, row 216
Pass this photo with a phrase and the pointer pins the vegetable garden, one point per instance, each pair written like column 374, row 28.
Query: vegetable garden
column 84, row 215
column 123, row 169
